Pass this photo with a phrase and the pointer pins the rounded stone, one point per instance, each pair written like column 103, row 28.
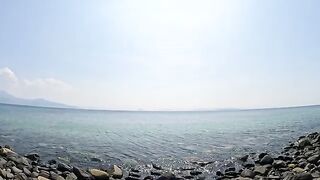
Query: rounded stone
column 99, row 174
column 266, row 160
column 313, row 159
column 247, row 173
column 42, row 178
column 117, row 172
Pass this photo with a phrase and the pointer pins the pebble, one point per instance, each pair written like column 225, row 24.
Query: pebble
column 81, row 174
column 314, row 159
column 117, row 172
column 262, row 170
column 42, row 178
column 303, row 176
column 71, row 176
column 247, row 173
column 279, row 164
column 99, row 174
column 16, row 170
column 21, row 176
column 298, row 170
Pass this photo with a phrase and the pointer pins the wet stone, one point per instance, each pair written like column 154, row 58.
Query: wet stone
column 219, row 173
column 133, row 174
column 33, row 156
column 231, row 173
column 261, row 155
column 155, row 173
column 64, row 167
column 248, row 164
column 117, row 172
column 52, row 161
column 195, row 173
column 81, row 174
column 244, row 158
column 302, row 143
column 135, row 170
column 132, row 178
column 266, row 160
column 156, row 166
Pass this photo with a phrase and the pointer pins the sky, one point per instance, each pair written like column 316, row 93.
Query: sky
column 162, row 54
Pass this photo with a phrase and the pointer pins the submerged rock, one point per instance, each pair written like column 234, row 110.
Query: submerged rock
column 33, row 156
column 244, row 158
column 195, row 173
column 156, row 166
column 131, row 178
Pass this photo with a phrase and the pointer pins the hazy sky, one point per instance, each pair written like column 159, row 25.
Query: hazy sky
column 162, row 54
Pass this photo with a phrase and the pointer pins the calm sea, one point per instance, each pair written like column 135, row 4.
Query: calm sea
column 97, row 138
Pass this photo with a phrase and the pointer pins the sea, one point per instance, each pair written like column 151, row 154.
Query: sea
column 138, row 138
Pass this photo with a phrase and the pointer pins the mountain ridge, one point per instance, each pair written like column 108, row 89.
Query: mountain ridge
column 6, row 98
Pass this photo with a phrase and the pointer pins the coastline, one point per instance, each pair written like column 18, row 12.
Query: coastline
column 299, row 160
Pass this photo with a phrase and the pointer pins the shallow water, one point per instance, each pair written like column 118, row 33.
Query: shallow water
column 167, row 138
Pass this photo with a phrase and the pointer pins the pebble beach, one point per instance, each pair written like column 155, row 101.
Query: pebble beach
column 299, row 160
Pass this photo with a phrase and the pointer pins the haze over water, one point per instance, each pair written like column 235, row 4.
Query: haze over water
column 136, row 138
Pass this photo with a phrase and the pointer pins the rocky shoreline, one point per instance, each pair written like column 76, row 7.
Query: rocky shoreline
column 299, row 160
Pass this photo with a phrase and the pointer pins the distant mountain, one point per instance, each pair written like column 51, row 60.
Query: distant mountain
column 7, row 98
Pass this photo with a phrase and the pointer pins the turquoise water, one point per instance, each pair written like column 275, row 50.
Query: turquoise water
column 135, row 138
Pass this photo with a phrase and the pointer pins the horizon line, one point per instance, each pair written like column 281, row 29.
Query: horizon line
column 127, row 110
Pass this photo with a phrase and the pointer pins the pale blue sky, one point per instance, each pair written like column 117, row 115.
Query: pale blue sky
column 162, row 54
